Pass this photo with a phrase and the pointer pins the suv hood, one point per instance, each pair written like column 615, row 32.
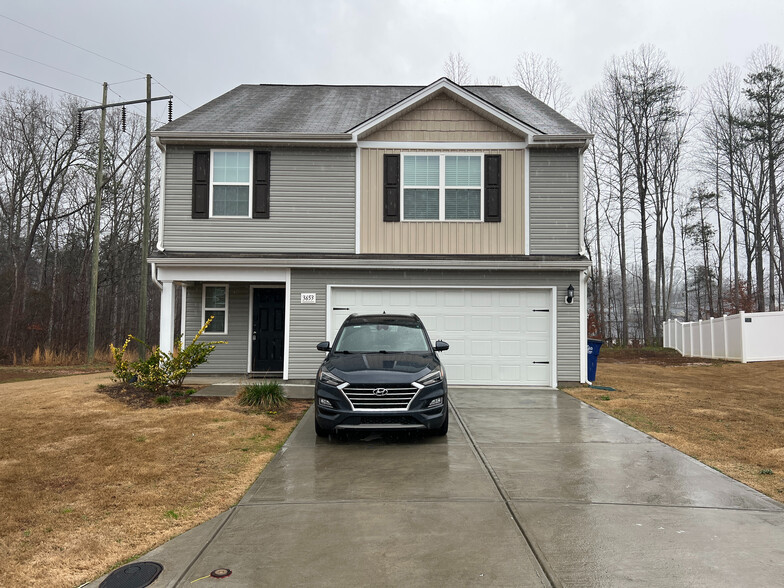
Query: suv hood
column 380, row 368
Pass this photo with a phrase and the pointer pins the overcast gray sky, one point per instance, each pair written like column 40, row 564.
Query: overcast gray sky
column 200, row 49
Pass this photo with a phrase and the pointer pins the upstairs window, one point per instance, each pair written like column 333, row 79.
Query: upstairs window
column 442, row 187
column 231, row 178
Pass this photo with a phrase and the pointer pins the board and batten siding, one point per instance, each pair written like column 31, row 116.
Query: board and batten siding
column 308, row 321
column 554, row 193
column 312, row 206
column 443, row 237
column 441, row 119
column 231, row 358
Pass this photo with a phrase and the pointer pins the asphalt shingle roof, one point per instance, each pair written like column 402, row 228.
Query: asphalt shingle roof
column 336, row 109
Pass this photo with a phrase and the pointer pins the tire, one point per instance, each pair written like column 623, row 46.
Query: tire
column 442, row 430
column 321, row 431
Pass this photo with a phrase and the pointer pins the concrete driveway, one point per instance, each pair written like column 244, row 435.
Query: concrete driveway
column 530, row 488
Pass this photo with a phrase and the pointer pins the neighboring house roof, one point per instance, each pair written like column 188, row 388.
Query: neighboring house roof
column 335, row 110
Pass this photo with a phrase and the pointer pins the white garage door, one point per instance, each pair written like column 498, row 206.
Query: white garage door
column 496, row 336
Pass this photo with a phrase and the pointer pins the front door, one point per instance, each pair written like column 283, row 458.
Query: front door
column 269, row 325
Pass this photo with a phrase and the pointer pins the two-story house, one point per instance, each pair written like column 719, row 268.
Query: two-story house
column 284, row 209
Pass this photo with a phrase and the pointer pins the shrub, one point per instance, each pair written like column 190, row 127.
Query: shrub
column 265, row 395
column 163, row 400
column 161, row 369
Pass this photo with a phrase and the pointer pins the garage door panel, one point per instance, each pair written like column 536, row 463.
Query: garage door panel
column 510, row 324
column 482, row 298
column 494, row 334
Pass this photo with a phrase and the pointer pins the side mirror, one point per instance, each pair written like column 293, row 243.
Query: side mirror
column 441, row 346
column 323, row 346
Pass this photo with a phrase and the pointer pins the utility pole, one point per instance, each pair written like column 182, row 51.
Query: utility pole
column 99, row 183
column 96, row 233
column 143, row 269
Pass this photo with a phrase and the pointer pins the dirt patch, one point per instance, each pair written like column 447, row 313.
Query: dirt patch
column 88, row 481
column 24, row 373
column 728, row 415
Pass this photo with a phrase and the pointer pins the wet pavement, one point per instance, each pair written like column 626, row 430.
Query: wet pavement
column 530, row 488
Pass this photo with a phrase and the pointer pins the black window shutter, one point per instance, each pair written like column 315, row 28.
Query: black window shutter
column 492, row 188
column 200, row 206
column 261, row 184
column 391, row 188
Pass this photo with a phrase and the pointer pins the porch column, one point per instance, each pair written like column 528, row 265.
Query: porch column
column 167, row 317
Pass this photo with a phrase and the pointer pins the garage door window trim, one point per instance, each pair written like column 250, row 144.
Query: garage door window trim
column 455, row 179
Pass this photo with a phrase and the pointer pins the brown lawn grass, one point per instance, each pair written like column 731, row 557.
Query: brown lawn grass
column 87, row 482
column 729, row 416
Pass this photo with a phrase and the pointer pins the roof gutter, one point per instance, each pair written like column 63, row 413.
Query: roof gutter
column 389, row 263
column 559, row 140
column 180, row 137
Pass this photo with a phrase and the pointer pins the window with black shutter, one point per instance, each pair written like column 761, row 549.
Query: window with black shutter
column 492, row 188
column 200, row 207
column 261, row 184
column 391, row 188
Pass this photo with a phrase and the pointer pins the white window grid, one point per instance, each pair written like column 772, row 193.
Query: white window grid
column 442, row 187
column 205, row 309
column 213, row 183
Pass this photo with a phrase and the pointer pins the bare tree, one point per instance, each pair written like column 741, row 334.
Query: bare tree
column 541, row 76
column 457, row 69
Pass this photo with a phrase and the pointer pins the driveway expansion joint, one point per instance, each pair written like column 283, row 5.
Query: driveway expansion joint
column 541, row 561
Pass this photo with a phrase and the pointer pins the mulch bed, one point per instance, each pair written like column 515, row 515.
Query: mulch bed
column 141, row 398
column 650, row 356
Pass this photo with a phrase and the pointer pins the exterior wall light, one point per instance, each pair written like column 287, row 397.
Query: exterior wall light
column 570, row 294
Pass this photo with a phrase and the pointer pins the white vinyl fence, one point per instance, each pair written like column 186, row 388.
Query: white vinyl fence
column 743, row 337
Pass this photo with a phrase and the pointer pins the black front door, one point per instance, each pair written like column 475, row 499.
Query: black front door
column 269, row 324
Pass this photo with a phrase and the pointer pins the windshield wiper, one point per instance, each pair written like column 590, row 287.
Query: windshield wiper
column 345, row 352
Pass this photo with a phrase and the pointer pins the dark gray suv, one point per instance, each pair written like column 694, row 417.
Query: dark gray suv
column 381, row 373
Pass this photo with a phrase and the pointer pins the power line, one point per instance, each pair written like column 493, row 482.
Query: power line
column 175, row 95
column 71, row 44
column 70, row 73
column 48, row 86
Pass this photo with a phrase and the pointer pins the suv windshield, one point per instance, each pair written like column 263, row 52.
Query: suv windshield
column 381, row 338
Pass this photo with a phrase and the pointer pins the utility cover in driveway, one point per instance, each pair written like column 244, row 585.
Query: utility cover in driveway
column 497, row 336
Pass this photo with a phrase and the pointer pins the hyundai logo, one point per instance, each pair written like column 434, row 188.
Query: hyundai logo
column 380, row 391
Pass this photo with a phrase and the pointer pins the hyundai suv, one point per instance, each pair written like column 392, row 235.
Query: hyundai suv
column 381, row 373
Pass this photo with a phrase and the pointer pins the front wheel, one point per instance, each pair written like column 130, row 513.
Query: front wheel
column 442, row 430
column 321, row 431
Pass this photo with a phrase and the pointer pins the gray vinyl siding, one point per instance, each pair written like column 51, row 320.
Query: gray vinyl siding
column 312, row 206
column 232, row 357
column 554, row 193
column 308, row 321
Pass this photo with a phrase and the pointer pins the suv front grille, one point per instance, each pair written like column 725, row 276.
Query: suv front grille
column 370, row 399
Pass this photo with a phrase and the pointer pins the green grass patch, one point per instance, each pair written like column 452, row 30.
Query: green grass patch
column 163, row 400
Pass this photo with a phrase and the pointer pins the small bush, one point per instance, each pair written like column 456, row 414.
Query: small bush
column 766, row 472
column 163, row 400
column 265, row 395
column 160, row 369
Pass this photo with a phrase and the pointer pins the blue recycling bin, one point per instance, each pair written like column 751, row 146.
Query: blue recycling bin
column 593, row 356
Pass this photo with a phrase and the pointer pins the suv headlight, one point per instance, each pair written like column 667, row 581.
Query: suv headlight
column 432, row 378
column 329, row 379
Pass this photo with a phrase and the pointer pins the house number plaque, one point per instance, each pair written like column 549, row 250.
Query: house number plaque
column 307, row 298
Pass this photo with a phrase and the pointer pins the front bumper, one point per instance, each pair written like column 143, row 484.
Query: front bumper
column 420, row 416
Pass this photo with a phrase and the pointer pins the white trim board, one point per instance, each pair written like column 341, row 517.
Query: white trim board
column 449, row 87
column 450, row 146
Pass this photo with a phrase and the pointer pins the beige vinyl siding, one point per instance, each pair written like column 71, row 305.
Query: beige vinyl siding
column 312, row 206
column 555, row 201
column 231, row 358
column 308, row 321
column 442, row 119
column 443, row 237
